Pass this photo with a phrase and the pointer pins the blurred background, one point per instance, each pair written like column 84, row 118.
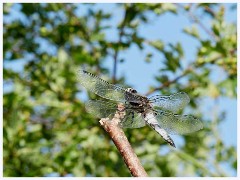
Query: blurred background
column 154, row 48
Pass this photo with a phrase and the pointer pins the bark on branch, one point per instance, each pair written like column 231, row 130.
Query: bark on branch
column 122, row 144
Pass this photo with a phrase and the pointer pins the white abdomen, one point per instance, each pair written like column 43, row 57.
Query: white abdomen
column 152, row 122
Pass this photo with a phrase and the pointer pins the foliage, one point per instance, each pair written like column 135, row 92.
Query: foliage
column 46, row 128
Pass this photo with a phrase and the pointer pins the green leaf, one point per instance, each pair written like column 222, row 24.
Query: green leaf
column 193, row 31
column 158, row 44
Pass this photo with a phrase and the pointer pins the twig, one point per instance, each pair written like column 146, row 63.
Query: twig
column 122, row 144
column 199, row 22
column 168, row 83
column 115, row 56
column 195, row 162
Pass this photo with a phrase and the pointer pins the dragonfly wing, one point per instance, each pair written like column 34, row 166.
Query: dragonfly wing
column 132, row 119
column 100, row 87
column 173, row 102
column 105, row 89
column 178, row 124
column 101, row 109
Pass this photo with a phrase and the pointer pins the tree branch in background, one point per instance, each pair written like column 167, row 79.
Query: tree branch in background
column 196, row 20
column 122, row 144
column 190, row 159
column 115, row 56
column 168, row 83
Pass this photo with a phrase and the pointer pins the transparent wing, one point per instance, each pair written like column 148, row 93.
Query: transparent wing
column 178, row 124
column 101, row 109
column 172, row 102
column 132, row 119
column 105, row 89
column 100, row 87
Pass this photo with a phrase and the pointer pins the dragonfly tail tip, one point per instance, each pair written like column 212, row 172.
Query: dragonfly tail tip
column 172, row 143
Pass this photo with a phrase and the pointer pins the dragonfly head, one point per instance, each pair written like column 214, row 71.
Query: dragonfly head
column 131, row 90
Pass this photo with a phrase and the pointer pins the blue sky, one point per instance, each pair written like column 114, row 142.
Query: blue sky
column 139, row 74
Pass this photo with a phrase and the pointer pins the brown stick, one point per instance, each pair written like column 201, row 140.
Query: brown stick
column 124, row 147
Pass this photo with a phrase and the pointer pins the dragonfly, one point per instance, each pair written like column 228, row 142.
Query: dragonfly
column 157, row 111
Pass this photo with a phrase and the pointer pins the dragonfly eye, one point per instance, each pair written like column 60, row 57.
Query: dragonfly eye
column 131, row 90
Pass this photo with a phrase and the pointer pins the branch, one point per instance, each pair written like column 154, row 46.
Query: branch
column 199, row 22
column 115, row 56
column 195, row 162
column 168, row 83
column 122, row 144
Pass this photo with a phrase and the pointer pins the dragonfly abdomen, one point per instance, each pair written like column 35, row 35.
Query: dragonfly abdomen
column 153, row 123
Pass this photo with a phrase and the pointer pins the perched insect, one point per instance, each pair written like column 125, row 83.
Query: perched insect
column 157, row 111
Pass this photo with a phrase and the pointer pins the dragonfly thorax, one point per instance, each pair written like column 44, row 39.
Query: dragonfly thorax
column 142, row 101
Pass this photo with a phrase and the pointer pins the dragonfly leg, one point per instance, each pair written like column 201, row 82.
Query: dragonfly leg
column 132, row 117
